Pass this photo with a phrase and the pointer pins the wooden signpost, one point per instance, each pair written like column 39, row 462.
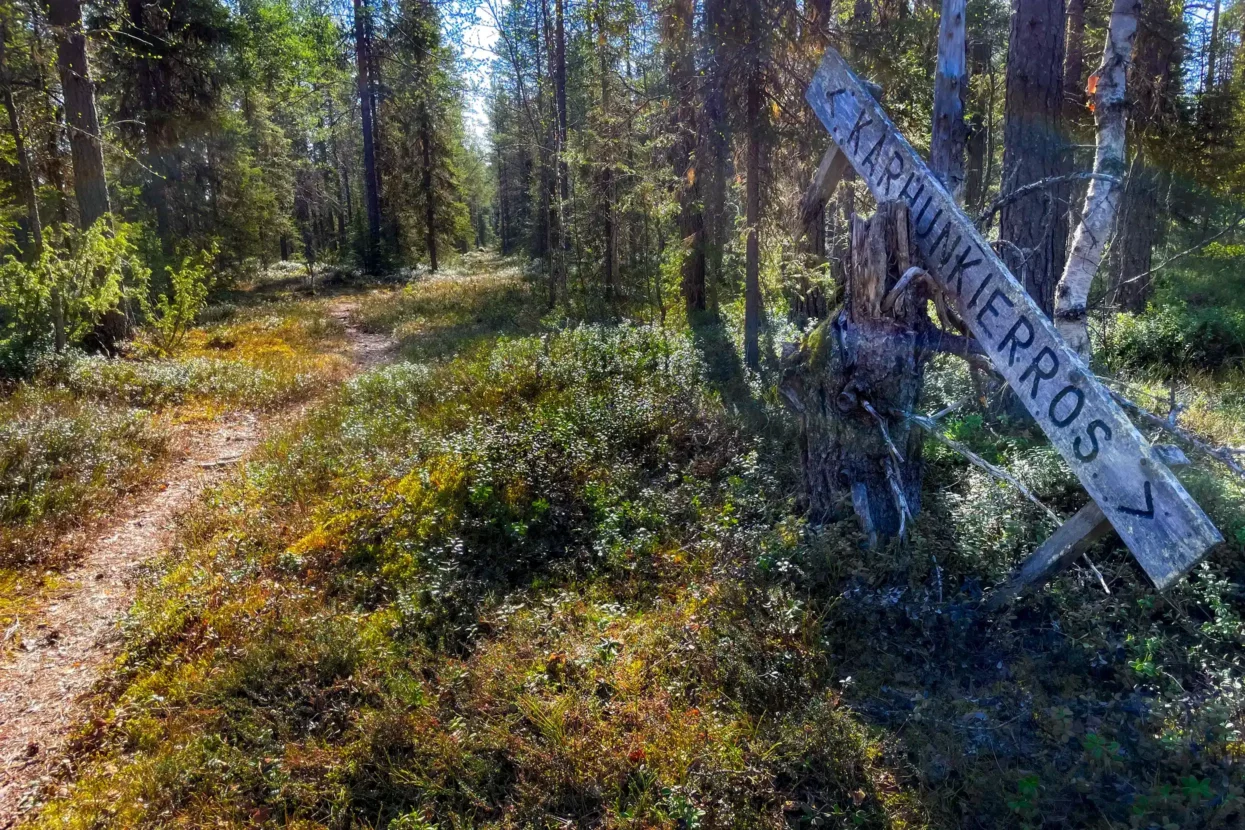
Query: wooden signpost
column 1161, row 524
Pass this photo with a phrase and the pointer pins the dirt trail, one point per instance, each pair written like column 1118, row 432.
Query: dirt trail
column 63, row 650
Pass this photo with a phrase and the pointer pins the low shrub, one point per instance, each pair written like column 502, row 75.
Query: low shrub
column 1173, row 340
column 58, row 300
column 63, row 458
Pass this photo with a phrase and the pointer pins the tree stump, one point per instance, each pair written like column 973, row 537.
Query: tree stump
column 852, row 378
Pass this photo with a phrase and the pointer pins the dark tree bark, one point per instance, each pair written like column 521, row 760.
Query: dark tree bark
column 682, row 61
column 1034, row 147
column 559, row 80
column 946, row 152
column 86, row 147
column 430, row 196
column 713, row 155
column 869, row 356
column 752, row 281
column 25, row 173
column 607, row 173
column 1074, row 59
column 1139, row 228
column 1153, row 109
column 26, row 186
column 977, row 140
column 371, row 181
column 147, row 21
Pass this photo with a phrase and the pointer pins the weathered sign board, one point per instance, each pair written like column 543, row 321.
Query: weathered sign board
column 1162, row 525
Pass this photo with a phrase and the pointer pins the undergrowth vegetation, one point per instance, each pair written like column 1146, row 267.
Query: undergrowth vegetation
column 555, row 581
column 85, row 430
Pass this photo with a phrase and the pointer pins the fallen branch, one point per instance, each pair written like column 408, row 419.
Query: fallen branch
column 1224, row 455
column 931, row 427
column 901, row 503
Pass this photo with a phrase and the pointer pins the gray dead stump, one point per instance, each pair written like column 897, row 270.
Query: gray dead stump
column 854, row 375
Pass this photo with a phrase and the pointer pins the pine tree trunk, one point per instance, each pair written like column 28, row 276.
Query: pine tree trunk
column 870, row 355
column 25, row 173
column 1033, row 146
column 152, row 87
column 682, row 61
column 607, row 173
column 946, row 153
column 371, row 181
column 564, row 173
column 1074, row 59
column 713, row 155
column 430, row 210
column 752, row 281
column 1212, row 51
column 1138, row 224
column 977, row 143
column 90, row 183
column 26, row 186
column 1102, row 199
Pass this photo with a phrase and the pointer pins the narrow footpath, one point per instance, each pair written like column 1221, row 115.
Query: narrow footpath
column 62, row 652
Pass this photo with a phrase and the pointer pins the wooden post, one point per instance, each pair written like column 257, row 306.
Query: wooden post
column 1069, row 542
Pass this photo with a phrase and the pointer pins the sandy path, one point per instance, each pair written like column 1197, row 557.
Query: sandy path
column 64, row 649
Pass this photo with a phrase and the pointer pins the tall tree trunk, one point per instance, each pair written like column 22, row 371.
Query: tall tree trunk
column 564, row 172
column 682, row 61
column 1139, row 226
column 1102, row 200
column 25, row 173
column 430, row 196
column 713, row 156
column 1074, row 59
column 371, row 181
column 90, row 184
column 53, row 158
column 1034, row 147
column 610, row 266
column 26, row 185
column 152, row 88
column 946, row 152
column 1152, row 111
column 1212, row 51
column 752, row 283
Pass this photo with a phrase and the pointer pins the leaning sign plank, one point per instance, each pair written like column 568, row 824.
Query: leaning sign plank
column 1156, row 518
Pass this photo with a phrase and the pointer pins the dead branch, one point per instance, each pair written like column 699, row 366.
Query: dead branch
column 1224, row 455
column 1019, row 193
column 1236, row 223
column 901, row 503
column 932, row 428
column 890, row 445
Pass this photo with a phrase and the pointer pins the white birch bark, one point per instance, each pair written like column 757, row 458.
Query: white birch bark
column 1102, row 200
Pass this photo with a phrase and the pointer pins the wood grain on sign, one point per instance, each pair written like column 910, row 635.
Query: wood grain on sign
column 1162, row 525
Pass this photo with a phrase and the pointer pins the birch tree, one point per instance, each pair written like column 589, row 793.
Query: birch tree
column 1106, row 88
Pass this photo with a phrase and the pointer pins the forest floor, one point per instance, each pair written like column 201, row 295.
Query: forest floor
column 533, row 573
column 68, row 634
